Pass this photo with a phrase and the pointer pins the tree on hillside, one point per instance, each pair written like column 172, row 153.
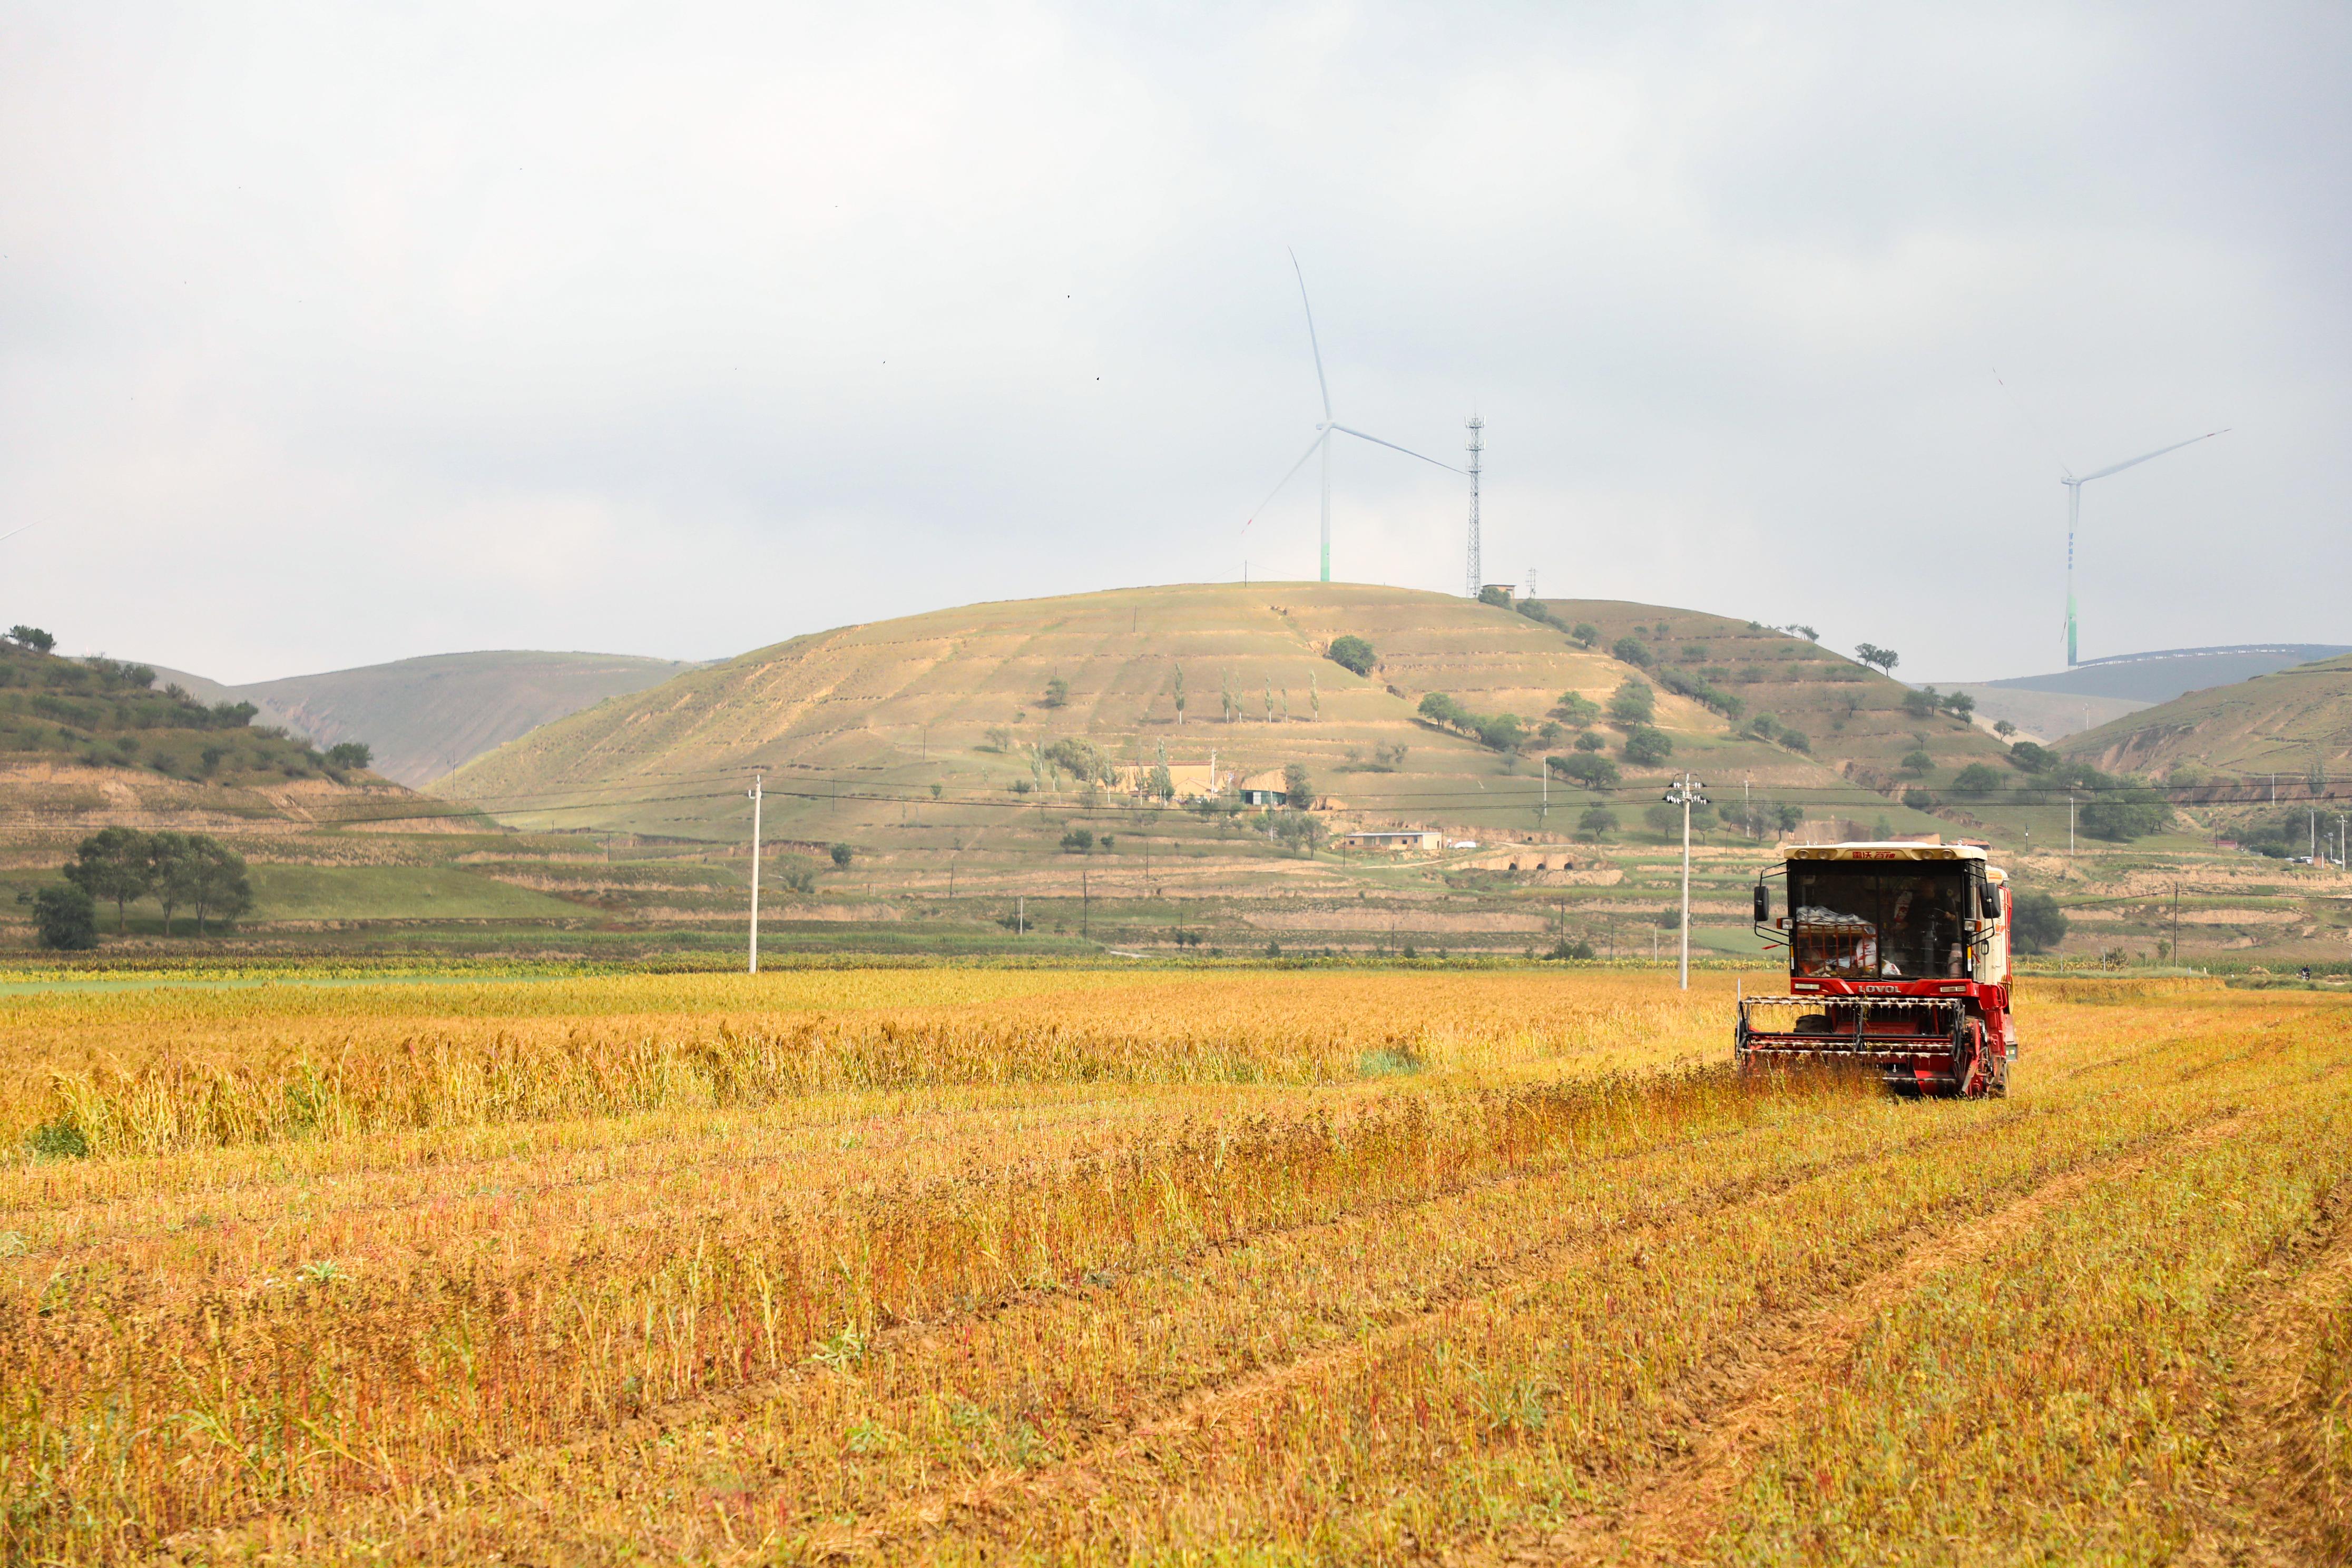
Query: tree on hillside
column 1646, row 747
column 1180, row 696
column 1495, row 594
column 349, row 754
column 1078, row 841
column 842, row 855
column 1057, row 693
column 1576, row 709
column 1297, row 789
column 116, row 864
column 1163, row 784
column 2123, row 815
column 32, row 637
column 1586, row 633
column 65, row 918
column 1589, row 769
column 1882, row 660
column 1597, row 822
column 1631, row 650
column 1632, row 702
column 1976, row 779
column 2036, row 922
column 1352, row 653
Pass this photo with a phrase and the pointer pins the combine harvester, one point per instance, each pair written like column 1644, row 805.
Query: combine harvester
column 1899, row 961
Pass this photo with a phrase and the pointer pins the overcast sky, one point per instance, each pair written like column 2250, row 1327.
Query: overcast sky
column 336, row 335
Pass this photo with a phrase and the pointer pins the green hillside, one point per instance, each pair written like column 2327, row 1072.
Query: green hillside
column 855, row 727
column 2291, row 722
column 423, row 716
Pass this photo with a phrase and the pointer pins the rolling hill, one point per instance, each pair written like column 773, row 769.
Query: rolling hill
column 932, row 726
column 2287, row 721
column 2101, row 690
column 423, row 716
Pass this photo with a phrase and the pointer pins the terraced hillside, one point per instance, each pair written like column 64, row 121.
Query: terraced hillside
column 2290, row 722
column 937, row 722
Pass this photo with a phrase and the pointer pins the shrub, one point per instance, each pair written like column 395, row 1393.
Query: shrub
column 65, row 918
column 1631, row 650
column 1057, row 693
column 1632, row 702
column 1586, row 633
column 1077, row 841
column 1597, row 822
column 842, row 856
column 1351, row 652
column 1918, row 799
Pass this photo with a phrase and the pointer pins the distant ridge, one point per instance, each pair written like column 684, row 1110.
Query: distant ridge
column 2290, row 720
column 428, row 715
column 2163, row 674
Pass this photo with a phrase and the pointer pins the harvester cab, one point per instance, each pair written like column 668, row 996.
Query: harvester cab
column 1898, row 962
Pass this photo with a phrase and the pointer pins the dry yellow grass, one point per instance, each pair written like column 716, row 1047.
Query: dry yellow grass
column 1263, row 1267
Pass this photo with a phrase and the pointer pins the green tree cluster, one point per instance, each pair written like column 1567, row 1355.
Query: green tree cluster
column 1498, row 732
column 194, row 871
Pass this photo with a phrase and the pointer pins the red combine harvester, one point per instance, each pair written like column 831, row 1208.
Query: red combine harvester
column 1898, row 961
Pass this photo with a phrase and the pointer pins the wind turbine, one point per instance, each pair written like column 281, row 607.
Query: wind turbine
column 2074, row 514
column 1325, row 431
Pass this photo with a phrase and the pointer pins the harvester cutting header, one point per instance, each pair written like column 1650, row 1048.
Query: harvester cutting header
column 1899, row 960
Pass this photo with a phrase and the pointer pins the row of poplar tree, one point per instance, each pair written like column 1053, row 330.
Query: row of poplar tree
column 192, row 871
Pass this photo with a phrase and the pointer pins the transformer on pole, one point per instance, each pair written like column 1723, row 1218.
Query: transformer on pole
column 1477, row 428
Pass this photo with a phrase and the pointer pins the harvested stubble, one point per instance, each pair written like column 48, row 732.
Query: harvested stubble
column 1508, row 1304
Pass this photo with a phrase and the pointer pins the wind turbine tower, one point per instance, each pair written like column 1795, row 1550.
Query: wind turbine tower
column 1477, row 449
column 2074, row 516
column 1326, row 430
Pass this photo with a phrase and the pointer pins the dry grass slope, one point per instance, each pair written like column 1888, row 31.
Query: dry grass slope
column 899, row 705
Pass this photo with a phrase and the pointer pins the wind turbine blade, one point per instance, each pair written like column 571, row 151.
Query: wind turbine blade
column 1392, row 446
column 2159, row 452
column 1311, row 338
column 1312, row 447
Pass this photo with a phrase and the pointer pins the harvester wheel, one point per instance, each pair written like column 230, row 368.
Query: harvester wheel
column 1984, row 1075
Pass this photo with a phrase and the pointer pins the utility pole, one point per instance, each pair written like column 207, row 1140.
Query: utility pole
column 1685, row 794
column 1020, row 915
column 2069, row 826
column 755, row 874
column 1477, row 448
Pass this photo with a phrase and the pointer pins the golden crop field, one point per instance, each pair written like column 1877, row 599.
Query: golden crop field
column 1216, row 1267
